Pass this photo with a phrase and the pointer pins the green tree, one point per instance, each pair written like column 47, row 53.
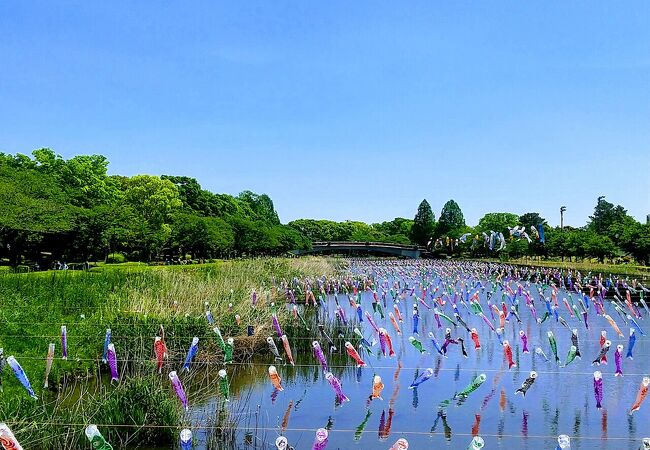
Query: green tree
column 598, row 246
column 606, row 215
column 202, row 237
column 189, row 192
column 154, row 201
column 557, row 243
column 498, row 222
column 254, row 237
column 83, row 177
column 153, row 198
column 531, row 219
column 635, row 240
column 33, row 205
column 451, row 220
column 396, row 231
column 261, row 205
column 423, row 224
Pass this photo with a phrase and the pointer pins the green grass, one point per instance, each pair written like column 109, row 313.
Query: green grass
column 133, row 300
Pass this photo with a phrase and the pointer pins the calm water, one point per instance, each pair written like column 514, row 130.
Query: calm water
column 561, row 401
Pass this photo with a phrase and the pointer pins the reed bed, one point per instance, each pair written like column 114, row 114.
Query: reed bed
column 134, row 302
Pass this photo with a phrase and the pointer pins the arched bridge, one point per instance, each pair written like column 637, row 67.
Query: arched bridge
column 383, row 248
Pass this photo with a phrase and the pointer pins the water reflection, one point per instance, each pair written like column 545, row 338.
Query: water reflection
column 285, row 418
column 445, row 426
column 382, row 423
column 524, row 424
column 362, row 426
column 576, row 424
column 476, row 426
column 415, row 397
column 561, row 401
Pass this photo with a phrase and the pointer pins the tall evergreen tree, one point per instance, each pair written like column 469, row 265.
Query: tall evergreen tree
column 451, row 219
column 605, row 215
column 423, row 224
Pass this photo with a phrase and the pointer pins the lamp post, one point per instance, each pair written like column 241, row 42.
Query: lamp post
column 562, row 209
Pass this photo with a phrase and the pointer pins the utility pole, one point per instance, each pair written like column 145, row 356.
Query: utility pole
column 562, row 209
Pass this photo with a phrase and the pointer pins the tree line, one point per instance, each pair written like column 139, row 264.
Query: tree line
column 72, row 210
column 610, row 233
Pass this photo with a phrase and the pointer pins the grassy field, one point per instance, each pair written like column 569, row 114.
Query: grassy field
column 133, row 301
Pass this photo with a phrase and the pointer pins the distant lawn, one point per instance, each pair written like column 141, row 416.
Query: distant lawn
column 589, row 266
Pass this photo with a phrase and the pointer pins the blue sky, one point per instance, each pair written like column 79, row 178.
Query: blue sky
column 344, row 110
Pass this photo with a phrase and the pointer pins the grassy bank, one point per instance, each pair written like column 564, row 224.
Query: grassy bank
column 628, row 270
column 133, row 302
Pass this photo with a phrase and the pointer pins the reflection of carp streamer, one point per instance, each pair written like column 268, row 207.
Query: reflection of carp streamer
column 385, row 431
column 285, row 418
column 553, row 343
column 362, row 426
column 476, row 425
column 224, row 385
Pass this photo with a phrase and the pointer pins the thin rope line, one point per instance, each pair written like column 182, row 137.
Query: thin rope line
column 169, row 337
column 339, row 430
column 352, row 322
column 220, row 363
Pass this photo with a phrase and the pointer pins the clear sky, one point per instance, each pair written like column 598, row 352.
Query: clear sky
column 344, row 110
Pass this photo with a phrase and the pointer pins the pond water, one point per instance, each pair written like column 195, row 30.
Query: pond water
column 560, row 401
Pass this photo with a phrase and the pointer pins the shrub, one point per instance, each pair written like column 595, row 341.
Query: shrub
column 115, row 258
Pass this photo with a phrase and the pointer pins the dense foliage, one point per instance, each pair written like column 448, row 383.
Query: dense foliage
column 396, row 231
column 72, row 210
